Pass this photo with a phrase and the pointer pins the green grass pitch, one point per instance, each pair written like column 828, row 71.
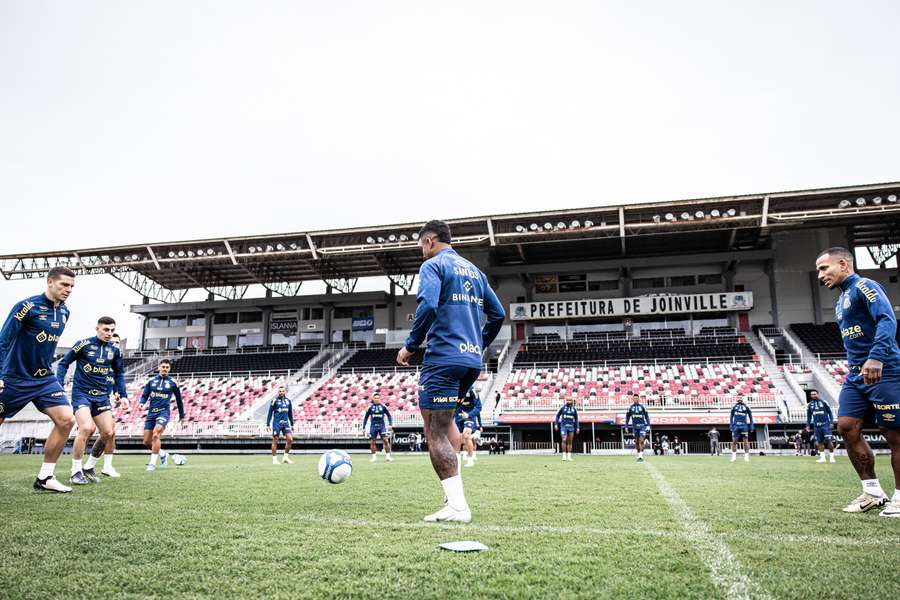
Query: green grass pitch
column 599, row 527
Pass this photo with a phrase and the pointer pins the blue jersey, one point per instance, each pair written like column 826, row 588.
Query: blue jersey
column 637, row 416
column 567, row 416
column 29, row 337
column 868, row 325
column 741, row 416
column 471, row 405
column 160, row 391
column 452, row 296
column 280, row 411
column 818, row 414
column 96, row 365
column 377, row 412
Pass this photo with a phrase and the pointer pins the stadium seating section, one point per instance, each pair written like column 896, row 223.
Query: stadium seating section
column 207, row 399
column 820, row 339
column 658, row 384
column 543, row 351
column 837, row 368
column 377, row 359
column 247, row 362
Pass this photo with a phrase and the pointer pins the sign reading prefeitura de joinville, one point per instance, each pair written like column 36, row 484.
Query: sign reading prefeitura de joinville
column 631, row 307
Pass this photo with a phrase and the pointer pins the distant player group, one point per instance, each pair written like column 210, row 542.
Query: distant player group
column 453, row 296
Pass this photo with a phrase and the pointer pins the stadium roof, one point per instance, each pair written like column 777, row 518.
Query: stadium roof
column 281, row 262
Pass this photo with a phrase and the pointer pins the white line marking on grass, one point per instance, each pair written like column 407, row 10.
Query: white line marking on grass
column 724, row 569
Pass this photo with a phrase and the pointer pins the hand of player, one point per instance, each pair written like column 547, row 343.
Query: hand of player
column 577, row 431
column 464, row 415
column 403, row 357
column 871, row 371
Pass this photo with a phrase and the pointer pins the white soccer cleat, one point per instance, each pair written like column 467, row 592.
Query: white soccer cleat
column 448, row 513
column 831, row 458
column 746, row 458
column 733, row 457
column 891, row 510
column 389, row 458
column 275, row 460
column 821, row 459
column 51, row 484
column 865, row 502
column 110, row 472
column 287, row 459
column 469, row 463
column 151, row 467
column 372, row 459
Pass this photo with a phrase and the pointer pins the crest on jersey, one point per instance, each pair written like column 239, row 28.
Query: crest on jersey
column 846, row 301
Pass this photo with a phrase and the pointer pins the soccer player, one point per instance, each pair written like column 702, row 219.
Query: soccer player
column 281, row 419
column 871, row 391
column 452, row 296
column 468, row 421
column 566, row 423
column 108, row 449
column 819, row 419
column 378, row 412
column 639, row 420
column 27, row 350
column 741, row 425
column 160, row 390
column 713, row 435
column 96, row 360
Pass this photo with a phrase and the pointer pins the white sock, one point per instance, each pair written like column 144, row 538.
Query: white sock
column 453, row 489
column 872, row 486
column 76, row 465
column 107, row 461
column 153, row 458
column 286, row 452
column 91, row 462
column 46, row 470
column 896, row 496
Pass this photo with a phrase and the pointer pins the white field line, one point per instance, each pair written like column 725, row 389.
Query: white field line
column 724, row 569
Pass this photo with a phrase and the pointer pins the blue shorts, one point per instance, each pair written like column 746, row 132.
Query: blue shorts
column 463, row 424
column 640, row 431
column 97, row 403
column 740, row 431
column 377, row 431
column 441, row 387
column 823, row 434
column 566, row 428
column 284, row 427
column 879, row 403
column 154, row 419
column 17, row 393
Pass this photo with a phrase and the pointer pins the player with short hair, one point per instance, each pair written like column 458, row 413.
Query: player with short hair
column 281, row 419
column 378, row 412
column 108, row 449
column 160, row 390
column 468, row 421
column 639, row 420
column 452, row 297
column 871, row 391
column 96, row 361
column 27, row 351
column 741, row 423
column 566, row 423
column 819, row 419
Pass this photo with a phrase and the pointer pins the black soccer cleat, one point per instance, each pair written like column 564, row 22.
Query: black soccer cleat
column 91, row 475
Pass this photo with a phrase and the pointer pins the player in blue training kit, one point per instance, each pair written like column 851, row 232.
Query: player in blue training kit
column 378, row 412
column 27, row 350
column 453, row 294
column 107, row 450
column 566, row 423
column 96, row 361
column 468, row 422
column 871, row 391
column 819, row 419
column 639, row 420
column 281, row 419
column 160, row 391
column 741, row 426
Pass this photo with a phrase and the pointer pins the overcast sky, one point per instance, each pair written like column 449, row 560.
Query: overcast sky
column 152, row 121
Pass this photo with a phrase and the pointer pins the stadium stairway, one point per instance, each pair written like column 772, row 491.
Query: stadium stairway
column 793, row 403
column 823, row 381
column 489, row 401
column 328, row 370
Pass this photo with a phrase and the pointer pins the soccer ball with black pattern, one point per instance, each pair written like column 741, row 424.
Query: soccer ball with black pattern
column 335, row 466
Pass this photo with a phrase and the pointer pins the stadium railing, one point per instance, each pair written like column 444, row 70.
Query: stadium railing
column 607, row 403
column 638, row 362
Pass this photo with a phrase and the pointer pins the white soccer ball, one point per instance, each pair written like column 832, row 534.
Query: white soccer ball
column 179, row 459
column 335, row 466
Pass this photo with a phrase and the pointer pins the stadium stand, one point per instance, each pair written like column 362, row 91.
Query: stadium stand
column 378, row 359
column 820, row 339
column 542, row 351
column 246, row 362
